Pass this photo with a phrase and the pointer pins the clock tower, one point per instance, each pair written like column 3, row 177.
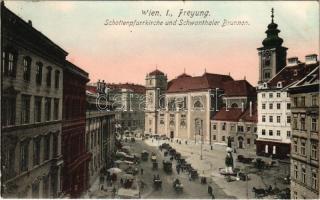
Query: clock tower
column 156, row 85
column 272, row 56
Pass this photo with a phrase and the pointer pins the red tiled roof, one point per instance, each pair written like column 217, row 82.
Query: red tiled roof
column 233, row 114
column 188, row 83
column 238, row 88
column 92, row 89
column 236, row 114
column 291, row 74
column 183, row 75
column 254, row 114
column 134, row 87
column 156, row 72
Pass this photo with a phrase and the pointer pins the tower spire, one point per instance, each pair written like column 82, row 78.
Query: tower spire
column 272, row 12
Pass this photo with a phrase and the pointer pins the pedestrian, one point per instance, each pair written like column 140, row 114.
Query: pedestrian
column 114, row 191
column 178, row 170
column 190, row 177
column 210, row 190
column 121, row 182
column 141, row 171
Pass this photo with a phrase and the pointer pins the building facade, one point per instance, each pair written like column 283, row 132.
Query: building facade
column 32, row 89
column 128, row 100
column 274, row 108
column 100, row 132
column 75, row 155
column 305, row 157
column 237, row 123
column 184, row 107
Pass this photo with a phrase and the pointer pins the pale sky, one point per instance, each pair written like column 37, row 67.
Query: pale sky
column 124, row 54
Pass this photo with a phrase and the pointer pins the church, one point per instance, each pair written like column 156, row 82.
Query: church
column 183, row 107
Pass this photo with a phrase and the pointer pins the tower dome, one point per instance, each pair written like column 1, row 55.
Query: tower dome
column 272, row 39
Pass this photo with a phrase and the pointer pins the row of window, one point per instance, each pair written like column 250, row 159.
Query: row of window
column 239, row 128
column 302, row 143
column 278, row 94
column 301, row 101
column 302, row 176
column 301, row 124
column 9, row 109
column 39, row 144
column 278, row 119
column 9, row 63
column 278, row 106
column 278, row 133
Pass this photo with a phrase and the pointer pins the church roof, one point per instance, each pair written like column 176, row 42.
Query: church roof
column 272, row 39
column 156, row 72
column 238, row 88
column 188, row 83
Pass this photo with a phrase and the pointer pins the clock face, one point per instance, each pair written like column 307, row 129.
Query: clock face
column 267, row 54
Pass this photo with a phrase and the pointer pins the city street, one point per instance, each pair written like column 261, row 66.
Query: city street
column 192, row 189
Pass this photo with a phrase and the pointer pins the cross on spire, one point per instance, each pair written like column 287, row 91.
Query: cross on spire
column 272, row 12
column 184, row 70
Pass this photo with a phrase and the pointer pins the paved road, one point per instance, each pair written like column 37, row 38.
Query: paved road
column 192, row 189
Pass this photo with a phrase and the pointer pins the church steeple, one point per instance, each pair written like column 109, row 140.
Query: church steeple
column 272, row 39
column 272, row 55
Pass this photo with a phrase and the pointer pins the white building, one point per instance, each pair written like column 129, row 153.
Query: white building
column 274, row 113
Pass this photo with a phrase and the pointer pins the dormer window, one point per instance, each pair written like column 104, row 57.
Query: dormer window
column 295, row 72
column 265, row 85
column 279, row 84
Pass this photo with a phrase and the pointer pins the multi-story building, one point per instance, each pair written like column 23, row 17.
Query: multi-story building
column 100, row 134
column 31, row 102
column 237, row 123
column 275, row 77
column 184, row 107
column 129, row 103
column 76, row 157
column 304, row 94
column 236, row 118
column 274, row 109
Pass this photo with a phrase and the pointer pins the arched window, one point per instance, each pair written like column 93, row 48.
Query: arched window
column 39, row 73
column 26, row 68
column 56, row 79
column 48, row 78
column 9, row 60
column 197, row 104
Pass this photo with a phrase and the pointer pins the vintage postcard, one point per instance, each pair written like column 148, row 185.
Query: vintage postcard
column 160, row 99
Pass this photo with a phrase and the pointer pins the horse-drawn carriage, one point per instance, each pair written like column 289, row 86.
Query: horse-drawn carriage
column 172, row 152
column 144, row 155
column 177, row 186
column 177, row 156
column 154, row 165
column 167, row 166
column 157, row 182
column 194, row 173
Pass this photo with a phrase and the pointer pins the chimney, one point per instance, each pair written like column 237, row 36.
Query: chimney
column 293, row 61
column 250, row 108
column 311, row 59
column 30, row 22
column 242, row 107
